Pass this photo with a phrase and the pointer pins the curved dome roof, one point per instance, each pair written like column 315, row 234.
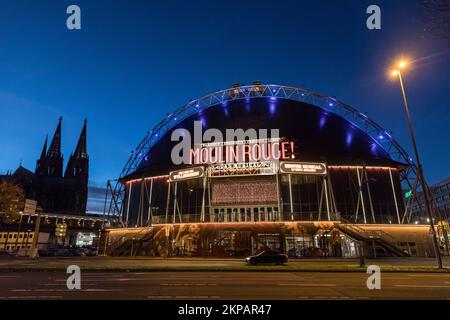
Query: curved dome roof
column 319, row 135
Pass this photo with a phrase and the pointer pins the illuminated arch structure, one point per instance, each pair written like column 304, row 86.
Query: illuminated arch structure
column 114, row 204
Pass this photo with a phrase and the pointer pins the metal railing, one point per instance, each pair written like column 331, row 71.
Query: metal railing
column 241, row 217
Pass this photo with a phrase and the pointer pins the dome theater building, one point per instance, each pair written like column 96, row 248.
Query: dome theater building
column 296, row 172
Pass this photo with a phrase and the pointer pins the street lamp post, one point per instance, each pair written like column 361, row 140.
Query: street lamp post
column 18, row 230
column 397, row 72
column 34, row 249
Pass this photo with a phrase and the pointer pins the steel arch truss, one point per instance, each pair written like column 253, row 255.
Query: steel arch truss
column 330, row 104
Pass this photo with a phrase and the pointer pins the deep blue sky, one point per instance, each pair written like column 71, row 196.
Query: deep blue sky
column 135, row 61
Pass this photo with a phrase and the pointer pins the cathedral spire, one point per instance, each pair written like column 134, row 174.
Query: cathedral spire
column 81, row 149
column 44, row 149
column 52, row 165
column 78, row 164
column 41, row 162
column 55, row 147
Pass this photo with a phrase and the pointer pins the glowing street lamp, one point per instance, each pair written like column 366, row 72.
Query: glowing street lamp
column 397, row 71
column 402, row 64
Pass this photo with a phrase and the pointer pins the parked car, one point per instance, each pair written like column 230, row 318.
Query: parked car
column 4, row 253
column 91, row 252
column 50, row 252
column 267, row 257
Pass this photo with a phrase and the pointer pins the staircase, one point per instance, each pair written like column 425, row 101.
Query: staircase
column 372, row 237
column 134, row 242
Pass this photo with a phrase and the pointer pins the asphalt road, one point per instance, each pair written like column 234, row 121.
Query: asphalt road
column 133, row 262
column 223, row 285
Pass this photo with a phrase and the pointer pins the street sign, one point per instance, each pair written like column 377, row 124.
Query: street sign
column 30, row 206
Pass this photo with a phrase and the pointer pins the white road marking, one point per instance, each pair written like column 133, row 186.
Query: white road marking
column 93, row 280
column 306, row 284
column 424, row 275
column 197, row 297
column 21, row 290
column 189, row 284
column 138, row 273
column 110, row 279
column 60, row 284
column 420, row 286
column 201, row 265
column 102, row 290
column 63, row 290
column 186, row 276
column 50, row 290
column 35, row 297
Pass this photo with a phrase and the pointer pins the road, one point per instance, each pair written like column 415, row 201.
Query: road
column 131, row 263
column 223, row 285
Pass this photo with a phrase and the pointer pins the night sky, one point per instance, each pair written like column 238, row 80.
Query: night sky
column 135, row 61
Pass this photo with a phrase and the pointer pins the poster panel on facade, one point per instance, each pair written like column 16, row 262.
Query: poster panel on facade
column 303, row 168
column 186, row 174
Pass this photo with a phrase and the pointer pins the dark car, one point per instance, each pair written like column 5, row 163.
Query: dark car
column 50, row 252
column 5, row 253
column 267, row 257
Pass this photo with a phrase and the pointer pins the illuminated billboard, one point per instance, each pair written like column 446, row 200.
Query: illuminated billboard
column 303, row 168
column 186, row 174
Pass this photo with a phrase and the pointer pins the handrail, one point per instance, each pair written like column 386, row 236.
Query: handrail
column 125, row 237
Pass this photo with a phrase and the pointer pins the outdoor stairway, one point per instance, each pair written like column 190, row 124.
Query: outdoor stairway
column 135, row 242
column 370, row 237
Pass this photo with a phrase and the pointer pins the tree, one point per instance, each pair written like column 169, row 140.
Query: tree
column 12, row 200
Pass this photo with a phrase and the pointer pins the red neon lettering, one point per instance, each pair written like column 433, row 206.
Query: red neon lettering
column 256, row 152
column 194, row 156
column 284, row 149
column 276, row 151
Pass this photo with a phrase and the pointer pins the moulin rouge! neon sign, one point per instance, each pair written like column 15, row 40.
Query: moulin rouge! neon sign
column 242, row 151
column 232, row 146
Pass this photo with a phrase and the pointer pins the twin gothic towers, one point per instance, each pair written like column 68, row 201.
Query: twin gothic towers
column 57, row 192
